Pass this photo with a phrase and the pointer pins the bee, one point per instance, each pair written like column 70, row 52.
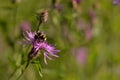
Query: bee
column 40, row 36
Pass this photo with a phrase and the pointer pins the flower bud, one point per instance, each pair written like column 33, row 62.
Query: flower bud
column 43, row 16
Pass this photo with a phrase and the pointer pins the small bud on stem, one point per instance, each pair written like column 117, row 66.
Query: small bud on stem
column 42, row 17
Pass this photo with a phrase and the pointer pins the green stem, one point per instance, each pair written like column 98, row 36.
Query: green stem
column 40, row 22
column 24, row 70
column 11, row 76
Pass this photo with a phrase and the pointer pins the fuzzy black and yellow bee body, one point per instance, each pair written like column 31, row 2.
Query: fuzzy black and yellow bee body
column 40, row 36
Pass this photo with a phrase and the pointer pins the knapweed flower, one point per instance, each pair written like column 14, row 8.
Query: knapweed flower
column 116, row 2
column 24, row 26
column 59, row 7
column 56, row 5
column 39, row 43
column 88, row 34
column 76, row 4
column 78, row 1
column 81, row 55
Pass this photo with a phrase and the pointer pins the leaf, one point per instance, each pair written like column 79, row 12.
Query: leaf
column 39, row 68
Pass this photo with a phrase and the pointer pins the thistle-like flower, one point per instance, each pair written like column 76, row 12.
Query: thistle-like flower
column 116, row 2
column 39, row 43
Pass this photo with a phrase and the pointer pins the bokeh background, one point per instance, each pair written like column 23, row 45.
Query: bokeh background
column 86, row 31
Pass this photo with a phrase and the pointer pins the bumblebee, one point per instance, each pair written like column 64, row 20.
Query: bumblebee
column 40, row 36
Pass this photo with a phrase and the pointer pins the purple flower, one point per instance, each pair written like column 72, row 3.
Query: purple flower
column 25, row 26
column 38, row 40
column 92, row 14
column 59, row 7
column 78, row 1
column 116, row 2
column 88, row 34
column 56, row 5
column 82, row 55
column 81, row 25
column 29, row 36
column 48, row 50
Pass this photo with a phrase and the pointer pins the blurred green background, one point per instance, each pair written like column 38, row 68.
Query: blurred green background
column 86, row 32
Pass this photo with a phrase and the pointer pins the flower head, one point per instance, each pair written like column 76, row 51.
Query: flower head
column 38, row 40
column 82, row 55
column 29, row 36
column 48, row 50
column 24, row 26
column 59, row 7
column 116, row 2
column 78, row 1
